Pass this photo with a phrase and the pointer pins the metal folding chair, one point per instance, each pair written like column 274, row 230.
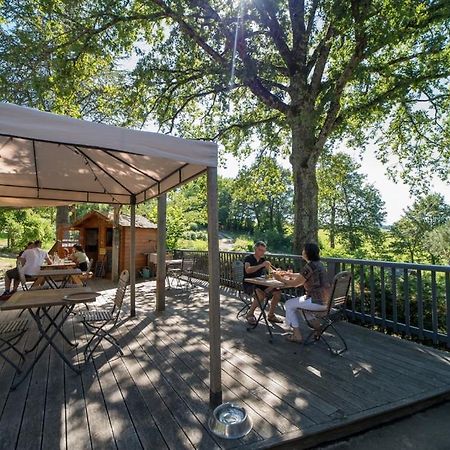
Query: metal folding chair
column 10, row 334
column 334, row 313
column 173, row 272
column 186, row 271
column 101, row 323
column 237, row 269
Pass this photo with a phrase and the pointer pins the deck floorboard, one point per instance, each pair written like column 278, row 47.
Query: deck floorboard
column 156, row 395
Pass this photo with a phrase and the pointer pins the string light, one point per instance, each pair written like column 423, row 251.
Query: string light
column 87, row 163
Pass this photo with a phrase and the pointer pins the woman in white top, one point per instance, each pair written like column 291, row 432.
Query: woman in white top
column 79, row 257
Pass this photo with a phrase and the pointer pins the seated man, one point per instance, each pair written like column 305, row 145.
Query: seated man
column 31, row 260
column 254, row 266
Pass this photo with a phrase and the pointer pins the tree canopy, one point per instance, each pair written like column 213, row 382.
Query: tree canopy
column 349, row 207
column 306, row 74
column 412, row 232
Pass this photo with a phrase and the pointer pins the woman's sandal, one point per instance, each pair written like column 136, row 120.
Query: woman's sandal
column 251, row 320
column 291, row 338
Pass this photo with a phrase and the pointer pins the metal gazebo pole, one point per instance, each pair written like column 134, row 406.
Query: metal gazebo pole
column 215, row 382
column 161, row 254
column 133, row 257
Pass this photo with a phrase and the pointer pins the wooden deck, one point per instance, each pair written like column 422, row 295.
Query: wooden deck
column 156, row 396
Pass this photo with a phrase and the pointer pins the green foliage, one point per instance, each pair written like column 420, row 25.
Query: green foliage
column 261, row 197
column 22, row 226
column 243, row 244
column 437, row 242
column 425, row 215
column 319, row 71
column 350, row 209
column 176, row 223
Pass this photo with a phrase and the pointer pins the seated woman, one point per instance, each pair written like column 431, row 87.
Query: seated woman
column 317, row 290
column 79, row 257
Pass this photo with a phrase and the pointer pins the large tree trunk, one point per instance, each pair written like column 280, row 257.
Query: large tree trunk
column 304, row 158
column 62, row 221
column 62, row 215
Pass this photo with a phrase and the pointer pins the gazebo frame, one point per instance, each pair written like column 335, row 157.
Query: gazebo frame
column 26, row 133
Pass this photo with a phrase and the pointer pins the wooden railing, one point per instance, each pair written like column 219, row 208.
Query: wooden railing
column 409, row 299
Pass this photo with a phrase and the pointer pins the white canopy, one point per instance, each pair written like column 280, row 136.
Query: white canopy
column 48, row 159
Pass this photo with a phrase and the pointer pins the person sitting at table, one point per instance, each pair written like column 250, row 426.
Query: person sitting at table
column 27, row 247
column 255, row 266
column 314, row 279
column 79, row 257
column 31, row 259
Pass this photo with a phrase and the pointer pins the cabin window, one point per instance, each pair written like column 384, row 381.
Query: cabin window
column 109, row 237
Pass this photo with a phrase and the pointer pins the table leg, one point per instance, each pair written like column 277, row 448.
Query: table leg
column 262, row 314
column 38, row 282
column 51, row 282
column 76, row 280
column 49, row 341
column 52, row 322
column 64, row 282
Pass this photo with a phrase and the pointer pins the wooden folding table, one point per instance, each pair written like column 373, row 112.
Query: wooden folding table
column 38, row 303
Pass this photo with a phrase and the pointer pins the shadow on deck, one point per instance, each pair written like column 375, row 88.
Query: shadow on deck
column 156, row 396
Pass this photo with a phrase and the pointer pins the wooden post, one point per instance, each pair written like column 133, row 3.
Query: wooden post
column 133, row 257
column 115, row 245
column 161, row 251
column 215, row 382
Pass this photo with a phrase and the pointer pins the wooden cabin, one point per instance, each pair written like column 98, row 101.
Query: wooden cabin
column 95, row 234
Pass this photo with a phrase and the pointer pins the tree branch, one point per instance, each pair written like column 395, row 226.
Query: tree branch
column 244, row 126
column 268, row 18
column 297, row 16
column 346, row 74
column 190, row 31
column 319, row 60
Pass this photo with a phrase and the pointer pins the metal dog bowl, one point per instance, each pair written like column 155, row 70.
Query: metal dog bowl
column 230, row 421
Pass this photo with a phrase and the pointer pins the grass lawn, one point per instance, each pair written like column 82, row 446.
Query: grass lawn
column 6, row 263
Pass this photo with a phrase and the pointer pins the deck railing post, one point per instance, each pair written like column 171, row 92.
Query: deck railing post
column 447, row 304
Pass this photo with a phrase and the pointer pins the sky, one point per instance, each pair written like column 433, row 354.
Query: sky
column 395, row 195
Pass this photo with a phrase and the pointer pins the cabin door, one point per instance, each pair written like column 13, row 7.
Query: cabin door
column 91, row 243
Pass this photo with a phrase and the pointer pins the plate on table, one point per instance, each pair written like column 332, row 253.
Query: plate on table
column 81, row 296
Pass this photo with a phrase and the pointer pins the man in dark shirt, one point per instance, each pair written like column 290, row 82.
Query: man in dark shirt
column 255, row 266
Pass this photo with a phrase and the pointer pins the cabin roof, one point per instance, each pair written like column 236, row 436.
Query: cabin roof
column 124, row 220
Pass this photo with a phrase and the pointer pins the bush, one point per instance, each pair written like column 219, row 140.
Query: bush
column 243, row 244
column 187, row 244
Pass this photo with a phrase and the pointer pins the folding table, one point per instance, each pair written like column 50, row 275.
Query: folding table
column 264, row 282
column 55, row 276
column 38, row 303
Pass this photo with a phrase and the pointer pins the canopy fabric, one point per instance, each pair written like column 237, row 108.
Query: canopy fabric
column 55, row 159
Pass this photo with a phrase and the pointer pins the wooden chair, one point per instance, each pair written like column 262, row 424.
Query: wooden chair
column 237, row 269
column 334, row 313
column 88, row 274
column 101, row 323
column 10, row 334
